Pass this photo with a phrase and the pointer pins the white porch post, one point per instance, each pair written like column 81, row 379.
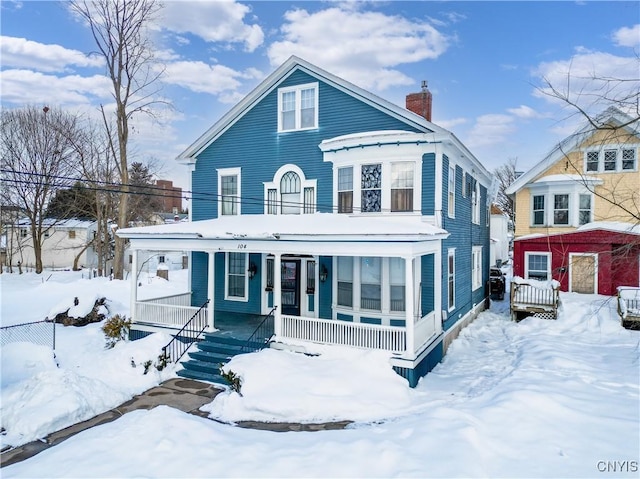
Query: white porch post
column 134, row 284
column 211, row 280
column 277, row 293
column 437, row 289
column 409, row 302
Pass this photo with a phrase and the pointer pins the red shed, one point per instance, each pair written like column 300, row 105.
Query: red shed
column 592, row 259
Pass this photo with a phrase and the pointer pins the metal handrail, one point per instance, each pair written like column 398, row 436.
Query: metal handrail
column 178, row 347
column 262, row 328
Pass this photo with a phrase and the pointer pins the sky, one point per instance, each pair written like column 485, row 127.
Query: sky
column 508, row 400
column 485, row 63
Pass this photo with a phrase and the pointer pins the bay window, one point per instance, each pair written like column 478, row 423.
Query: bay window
column 345, row 281
column 561, row 209
column 370, row 283
column 371, row 185
column 402, row 186
column 396, row 284
column 345, row 190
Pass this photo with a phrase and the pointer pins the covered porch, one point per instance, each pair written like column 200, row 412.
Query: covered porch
column 269, row 243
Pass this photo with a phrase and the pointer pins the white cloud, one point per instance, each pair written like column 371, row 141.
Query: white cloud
column 25, row 86
column 592, row 80
column 360, row 46
column 490, row 129
column 451, row 124
column 220, row 21
column 525, row 112
column 627, row 36
column 204, row 78
column 22, row 53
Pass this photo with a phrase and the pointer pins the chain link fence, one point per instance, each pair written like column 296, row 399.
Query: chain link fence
column 39, row 332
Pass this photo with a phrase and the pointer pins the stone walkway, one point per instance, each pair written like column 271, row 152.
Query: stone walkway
column 184, row 394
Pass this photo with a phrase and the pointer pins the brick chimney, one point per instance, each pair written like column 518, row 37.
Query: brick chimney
column 420, row 103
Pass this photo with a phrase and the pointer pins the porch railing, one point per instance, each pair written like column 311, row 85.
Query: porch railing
column 370, row 336
column 166, row 315
column 181, row 299
column 189, row 334
column 262, row 333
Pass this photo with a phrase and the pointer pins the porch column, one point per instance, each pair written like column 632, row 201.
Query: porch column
column 134, row 284
column 408, row 305
column 277, row 293
column 211, row 280
column 437, row 289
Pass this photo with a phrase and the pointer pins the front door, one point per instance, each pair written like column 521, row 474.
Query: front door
column 291, row 286
column 583, row 273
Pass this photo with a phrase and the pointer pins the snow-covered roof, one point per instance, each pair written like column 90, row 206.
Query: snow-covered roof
column 316, row 226
column 71, row 223
column 616, row 226
column 560, row 178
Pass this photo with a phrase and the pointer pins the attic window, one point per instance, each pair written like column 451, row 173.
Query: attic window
column 298, row 107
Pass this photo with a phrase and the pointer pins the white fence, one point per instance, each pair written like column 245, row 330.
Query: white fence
column 359, row 335
column 167, row 315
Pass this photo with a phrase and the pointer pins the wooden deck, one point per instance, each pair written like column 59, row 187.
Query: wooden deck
column 532, row 300
column 629, row 307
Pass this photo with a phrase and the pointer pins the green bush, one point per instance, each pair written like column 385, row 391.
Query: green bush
column 116, row 329
column 233, row 379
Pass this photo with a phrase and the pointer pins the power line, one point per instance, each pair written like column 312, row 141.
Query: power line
column 191, row 195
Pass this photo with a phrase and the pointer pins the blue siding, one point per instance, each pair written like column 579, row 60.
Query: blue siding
column 428, row 184
column 344, row 317
column 397, row 322
column 428, row 277
column 254, row 143
column 464, row 235
column 366, row 320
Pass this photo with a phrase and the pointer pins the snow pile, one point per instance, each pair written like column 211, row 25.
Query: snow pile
column 537, row 283
column 281, row 386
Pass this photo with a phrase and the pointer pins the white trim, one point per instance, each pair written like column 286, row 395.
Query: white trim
column 229, row 172
column 477, row 196
column 537, row 253
column 297, row 89
column 275, row 185
column 617, row 147
column 244, row 298
column 451, row 252
column 451, row 208
column 595, row 272
column 476, row 267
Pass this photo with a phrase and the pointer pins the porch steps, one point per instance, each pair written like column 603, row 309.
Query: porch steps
column 213, row 352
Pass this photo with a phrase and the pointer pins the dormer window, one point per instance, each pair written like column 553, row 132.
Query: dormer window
column 298, row 107
column 610, row 160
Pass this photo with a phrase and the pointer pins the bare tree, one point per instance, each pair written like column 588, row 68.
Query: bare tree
column 120, row 30
column 36, row 158
column 506, row 175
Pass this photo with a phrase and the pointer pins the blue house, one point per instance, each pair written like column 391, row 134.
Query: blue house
column 345, row 218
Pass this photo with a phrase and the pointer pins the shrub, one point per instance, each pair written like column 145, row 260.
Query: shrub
column 116, row 329
column 233, row 379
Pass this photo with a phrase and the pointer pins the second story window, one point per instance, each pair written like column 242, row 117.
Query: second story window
column 371, row 188
column 628, row 159
column 452, row 192
column 538, row 210
column 345, row 190
column 402, row 186
column 585, row 209
column 560, row 209
column 228, row 191
column 475, row 204
column 290, row 193
column 610, row 160
column 298, row 107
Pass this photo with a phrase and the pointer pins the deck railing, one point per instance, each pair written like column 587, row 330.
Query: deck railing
column 370, row 336
column 533, row 298
column 165, row 314
column 181, row 299
column 629, row 307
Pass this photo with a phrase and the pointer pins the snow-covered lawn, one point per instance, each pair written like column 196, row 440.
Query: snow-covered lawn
column 531, row 399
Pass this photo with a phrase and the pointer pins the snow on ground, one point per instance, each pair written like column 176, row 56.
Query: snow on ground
column 537, row 398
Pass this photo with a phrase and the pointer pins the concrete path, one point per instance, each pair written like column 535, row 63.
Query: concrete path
column 184, row 394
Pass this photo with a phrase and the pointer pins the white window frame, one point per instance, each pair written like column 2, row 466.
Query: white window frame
column 475, row 203
column 227, row 297
column 298, row 106
column 344, row 168
column 412, row 167
column 476, row 267
column 527, row 254
column 451, row 280
column 304, row 183
column 601, row 152
column 451, row 192
column 580, row 209
column 533, row 211
column 567, row 209
column 230, row 172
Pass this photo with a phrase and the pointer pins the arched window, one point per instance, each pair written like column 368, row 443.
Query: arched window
column 290, row 193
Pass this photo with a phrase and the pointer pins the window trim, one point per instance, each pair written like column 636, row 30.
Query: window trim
column 476, row 273
column 527, row 254
column 227, row 297
column 567, row 209
column 298, row 106
column 338, row 190
column 533, row 210
column 230, row 172
column 451, row 192
column 451, row 280
column 411, row 165
column 475, row 203
column 580, row 209
column 619, row 161
column 275, row 185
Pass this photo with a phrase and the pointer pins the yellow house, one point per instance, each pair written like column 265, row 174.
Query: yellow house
column 591, row 176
